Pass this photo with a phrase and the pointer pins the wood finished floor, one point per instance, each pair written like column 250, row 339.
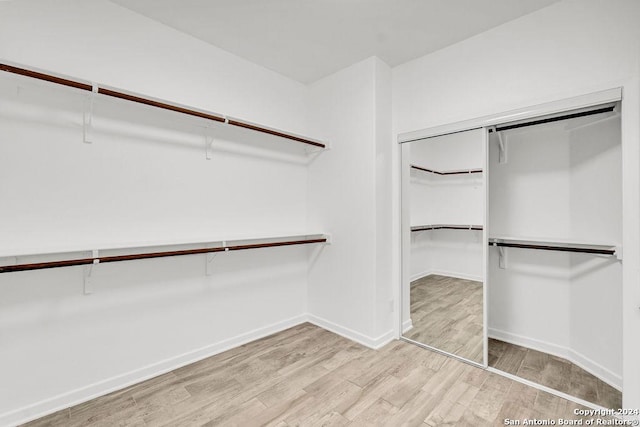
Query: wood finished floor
column 552, row 371
column 306, row 376
column 446, row 313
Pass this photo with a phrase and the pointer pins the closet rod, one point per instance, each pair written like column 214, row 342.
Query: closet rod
column 45, row 77
column 147, row 255
column 246, row 125
column 445, row 227
column 158, row 104
column 456, row 172
column 154, row 103
column 554, row 119
column 555, row 248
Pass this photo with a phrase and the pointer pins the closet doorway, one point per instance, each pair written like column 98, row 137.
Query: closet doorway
column 512, row 245
column 555, row 267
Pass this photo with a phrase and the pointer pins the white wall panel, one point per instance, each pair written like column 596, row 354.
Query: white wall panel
column 143, row 179
column 586, row 46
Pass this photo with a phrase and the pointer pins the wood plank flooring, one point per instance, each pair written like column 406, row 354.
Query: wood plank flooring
column 446, row 313
column 306, row 376
column 552, row 371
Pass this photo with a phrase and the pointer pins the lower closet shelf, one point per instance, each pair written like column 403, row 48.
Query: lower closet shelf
column 557, row 245
column 123, row 253
column 445, row 227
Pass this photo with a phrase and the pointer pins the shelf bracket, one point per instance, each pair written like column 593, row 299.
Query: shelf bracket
column 87, row 117
column 618, row 253
column 502, row 257
column 208, row 263
column 208, row 146
column 88, row 270
column 502, row 146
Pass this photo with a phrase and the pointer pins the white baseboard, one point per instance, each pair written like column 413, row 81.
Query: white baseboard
column 446, row 273
column 407, row 325
column 80, row 395
column 543, row 346
column 419, row 275
column 371, row 342
column 578, row 359
column 84, row 394
column 596, row 369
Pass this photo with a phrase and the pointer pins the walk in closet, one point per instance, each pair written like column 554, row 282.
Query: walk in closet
column 132, row 226
column 547, row 250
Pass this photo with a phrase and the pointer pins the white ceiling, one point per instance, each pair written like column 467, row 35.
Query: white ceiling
column 309, row 39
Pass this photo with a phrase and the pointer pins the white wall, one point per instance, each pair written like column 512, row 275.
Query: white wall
column 103, row 42
column 144, row 178
column 384, row 318
column 349, row 286
column 570, row 48
column 596, row 202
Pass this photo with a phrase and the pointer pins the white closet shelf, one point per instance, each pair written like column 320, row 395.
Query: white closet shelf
column 447, row 172
column 445, row 227
column 154, row 102
column 562, row 245
column 135, row 251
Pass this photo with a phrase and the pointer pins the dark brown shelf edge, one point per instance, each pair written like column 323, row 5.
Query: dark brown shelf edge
column 148, row 255
column 461, row 172
column 155, row 103
column 45, row 77
column 159, row 104
column 446, row 227
column 554, row 248
column 235, row 122
column 507, row 126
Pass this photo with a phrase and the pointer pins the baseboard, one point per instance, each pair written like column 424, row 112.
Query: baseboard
column 446, row 273
column 457, row 275
column 578, row 359
column 407, row 325
column 371, row 342
column 543, row 346
column 417, row 276
column 596, row 369
column 80, row 395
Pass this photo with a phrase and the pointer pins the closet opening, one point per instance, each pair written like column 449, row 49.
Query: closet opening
column 512, row 246
column 555, row 257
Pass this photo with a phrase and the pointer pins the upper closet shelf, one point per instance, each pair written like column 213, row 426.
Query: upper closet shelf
column 158, row 103
column 445, row 227
column 154, row 250
column 449, row 172
column 560, row 245
column 590, row 111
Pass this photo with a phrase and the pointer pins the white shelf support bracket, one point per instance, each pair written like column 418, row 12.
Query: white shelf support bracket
column 618, row 253
column 502, row 257
column 87, row 117
column 208, row 146
column 328, row 237
column 502, row 146
column 88, row 270
column 208, row 264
